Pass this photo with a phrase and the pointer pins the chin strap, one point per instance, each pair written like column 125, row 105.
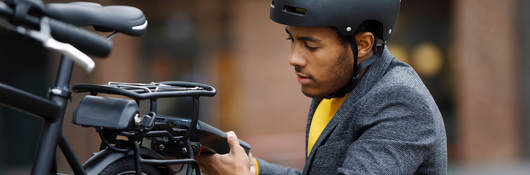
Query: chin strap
column 378, row 50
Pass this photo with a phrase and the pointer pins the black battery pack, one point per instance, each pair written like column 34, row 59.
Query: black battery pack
column 106, row 112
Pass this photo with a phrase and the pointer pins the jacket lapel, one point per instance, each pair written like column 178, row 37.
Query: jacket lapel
column 372, row 75
column 337, row 118
column 312, row 109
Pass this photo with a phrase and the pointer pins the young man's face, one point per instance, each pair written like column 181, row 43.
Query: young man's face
column 321, row 62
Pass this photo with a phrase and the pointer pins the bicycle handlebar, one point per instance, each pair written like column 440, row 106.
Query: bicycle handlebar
column 71, row 52
column 82, row 39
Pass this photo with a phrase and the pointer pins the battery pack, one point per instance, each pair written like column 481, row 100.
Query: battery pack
column 106, row 112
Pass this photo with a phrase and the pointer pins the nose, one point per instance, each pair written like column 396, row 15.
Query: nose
column 296, row 59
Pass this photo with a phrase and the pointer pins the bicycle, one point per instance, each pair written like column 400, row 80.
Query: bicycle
column 51, row 110
column 110, row 116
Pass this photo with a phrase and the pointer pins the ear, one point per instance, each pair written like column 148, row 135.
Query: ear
column 365, row 42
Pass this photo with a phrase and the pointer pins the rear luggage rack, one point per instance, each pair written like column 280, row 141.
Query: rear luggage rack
column 179, row 139
column 139, row 91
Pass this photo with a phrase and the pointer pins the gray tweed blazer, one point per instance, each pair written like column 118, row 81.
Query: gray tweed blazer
column 389, row 124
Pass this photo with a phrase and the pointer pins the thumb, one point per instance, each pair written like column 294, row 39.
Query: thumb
column 233, row 142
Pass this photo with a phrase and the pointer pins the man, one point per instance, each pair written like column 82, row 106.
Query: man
column 371, row 114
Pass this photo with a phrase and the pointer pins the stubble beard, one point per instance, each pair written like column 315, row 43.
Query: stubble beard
column 341, row 69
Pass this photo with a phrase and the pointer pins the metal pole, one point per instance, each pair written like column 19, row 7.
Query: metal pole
column 70, row 156
column 137, row 158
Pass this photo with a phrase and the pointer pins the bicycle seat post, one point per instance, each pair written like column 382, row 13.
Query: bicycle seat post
column 53, row 128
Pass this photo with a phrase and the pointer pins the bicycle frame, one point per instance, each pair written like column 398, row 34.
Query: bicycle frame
column 52, row 112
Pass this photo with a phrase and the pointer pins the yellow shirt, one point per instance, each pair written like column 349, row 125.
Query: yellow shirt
column 323, row 114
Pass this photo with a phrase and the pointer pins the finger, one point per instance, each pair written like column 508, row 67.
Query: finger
column 252, row 164
column 251, row 158
column 233, row 142
column 252, row 170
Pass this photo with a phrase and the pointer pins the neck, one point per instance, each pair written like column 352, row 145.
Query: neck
column 348, row 87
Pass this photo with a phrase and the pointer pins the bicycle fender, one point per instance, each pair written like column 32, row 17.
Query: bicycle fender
column 100, row 160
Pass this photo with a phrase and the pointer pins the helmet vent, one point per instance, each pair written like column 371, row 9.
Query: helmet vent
column 294, row 10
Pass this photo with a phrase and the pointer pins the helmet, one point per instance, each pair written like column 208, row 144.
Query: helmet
column 344, row 15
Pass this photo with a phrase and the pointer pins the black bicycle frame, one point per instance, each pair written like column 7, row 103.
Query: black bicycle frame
column 52, row 112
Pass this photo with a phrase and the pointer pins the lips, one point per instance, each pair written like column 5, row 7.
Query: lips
column 303, row 78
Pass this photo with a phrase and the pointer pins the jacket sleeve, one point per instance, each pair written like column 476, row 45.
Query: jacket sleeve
column 267, row 168
column 397, row 133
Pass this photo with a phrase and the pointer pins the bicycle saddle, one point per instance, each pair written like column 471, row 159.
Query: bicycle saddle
column 123, row 19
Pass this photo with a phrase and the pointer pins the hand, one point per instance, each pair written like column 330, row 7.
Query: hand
column 236, row 162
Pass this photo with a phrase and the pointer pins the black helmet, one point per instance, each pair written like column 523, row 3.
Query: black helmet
column 345, row 15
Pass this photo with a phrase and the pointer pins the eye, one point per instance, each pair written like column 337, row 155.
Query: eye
column 290, row 39
column 310, row 48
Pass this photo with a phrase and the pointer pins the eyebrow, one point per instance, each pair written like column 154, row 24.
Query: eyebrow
column 303, row 38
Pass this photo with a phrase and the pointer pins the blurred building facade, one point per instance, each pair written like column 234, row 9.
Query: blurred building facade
column 470, row 53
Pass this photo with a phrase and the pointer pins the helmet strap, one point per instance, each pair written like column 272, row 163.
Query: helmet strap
column 379, row 46
column 378, row 49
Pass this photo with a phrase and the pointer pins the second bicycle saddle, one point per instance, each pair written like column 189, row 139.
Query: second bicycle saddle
column 124, row 19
